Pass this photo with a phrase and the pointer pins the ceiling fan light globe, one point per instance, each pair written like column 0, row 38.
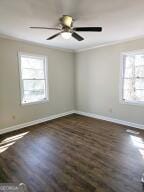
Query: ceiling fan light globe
column 66, row 35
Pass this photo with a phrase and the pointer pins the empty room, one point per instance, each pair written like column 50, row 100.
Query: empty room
column 71, row 96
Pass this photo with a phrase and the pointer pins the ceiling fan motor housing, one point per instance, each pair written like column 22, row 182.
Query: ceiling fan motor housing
column 66, row 21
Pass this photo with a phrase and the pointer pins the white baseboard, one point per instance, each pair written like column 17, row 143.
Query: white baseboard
column 23, row 125
column 121, row 122
column 51, row 117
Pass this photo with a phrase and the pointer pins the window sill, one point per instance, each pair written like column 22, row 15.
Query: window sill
column 35, row 103
column 137, row 103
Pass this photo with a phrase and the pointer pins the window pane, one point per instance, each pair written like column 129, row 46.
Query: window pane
column 128, row 66
column 33, row 96
column 32, row 74
column 139, row 84
column 34, row 90
column 30, row 85
column 129, row 61
column 128, row 72
column 139, row 60
column 128, row 84
column 128, row 95
column 139, row 95
column 139, row 71
column 32, row 63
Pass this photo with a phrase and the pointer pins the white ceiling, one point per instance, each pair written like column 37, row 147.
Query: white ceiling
column 120, row 19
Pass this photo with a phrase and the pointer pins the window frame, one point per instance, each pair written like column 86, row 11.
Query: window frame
column 122, row 61
column 31, row 55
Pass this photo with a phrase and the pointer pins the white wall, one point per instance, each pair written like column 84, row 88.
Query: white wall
column 61, row 83
column 86, row 81
column 97, row 82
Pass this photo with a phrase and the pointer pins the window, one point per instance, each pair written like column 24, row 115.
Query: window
column 33, row 78
column 133, row 77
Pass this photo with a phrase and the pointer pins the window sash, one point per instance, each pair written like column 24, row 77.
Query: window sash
column 33, row 79
column 33, row 74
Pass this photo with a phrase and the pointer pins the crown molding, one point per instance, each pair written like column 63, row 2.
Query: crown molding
column 7, row 37
column 109, row 43
column 36, row 43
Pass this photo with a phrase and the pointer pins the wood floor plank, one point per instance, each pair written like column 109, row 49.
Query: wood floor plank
column 73, row 154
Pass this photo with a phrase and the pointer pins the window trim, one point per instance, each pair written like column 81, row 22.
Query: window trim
column 45, row 73
column 122, row 101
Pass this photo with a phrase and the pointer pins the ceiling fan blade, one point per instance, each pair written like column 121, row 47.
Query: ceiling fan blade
column 52, row 37
column 52, row 28
column 88, row 29
column 77, row 36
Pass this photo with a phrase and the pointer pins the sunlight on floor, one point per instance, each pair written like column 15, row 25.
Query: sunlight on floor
column 139, row 143
column 9, row 141
column 141, row 152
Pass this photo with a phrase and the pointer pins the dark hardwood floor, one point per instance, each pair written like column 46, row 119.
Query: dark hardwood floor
column 73, row 154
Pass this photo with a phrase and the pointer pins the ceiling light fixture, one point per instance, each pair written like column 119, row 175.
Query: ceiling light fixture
column 66, row 29
column 66, row 35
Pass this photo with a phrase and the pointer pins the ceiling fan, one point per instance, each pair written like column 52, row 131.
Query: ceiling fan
column 67, row 30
